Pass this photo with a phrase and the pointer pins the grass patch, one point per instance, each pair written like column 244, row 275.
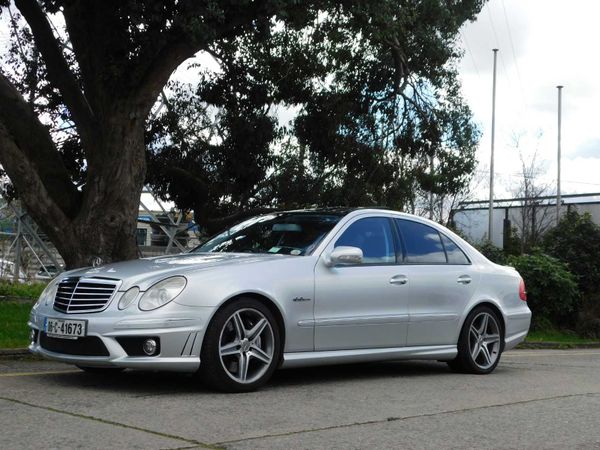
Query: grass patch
column 559, row 336
column 14, row 332
column 27, row 290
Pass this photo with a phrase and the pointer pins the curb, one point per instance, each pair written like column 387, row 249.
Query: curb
column 556, row 345
column 14, row 352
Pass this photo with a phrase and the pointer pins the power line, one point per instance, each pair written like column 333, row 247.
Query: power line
column 520, row 175
column 464, row 38
column 514, row 54
column 493, row 26
column 504, row 70
column 497, row 42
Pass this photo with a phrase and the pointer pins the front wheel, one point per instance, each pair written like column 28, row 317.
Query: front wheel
column 480, row 343
column 241, row 347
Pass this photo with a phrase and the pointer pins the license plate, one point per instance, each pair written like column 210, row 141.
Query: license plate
column 65, row 328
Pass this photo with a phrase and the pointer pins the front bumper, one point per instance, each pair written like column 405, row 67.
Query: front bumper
column 179, row 330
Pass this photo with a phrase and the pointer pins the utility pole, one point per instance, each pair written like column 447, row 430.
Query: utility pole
column 431, row 193
column 491, row 212
column 558, row 160
column 17, row 269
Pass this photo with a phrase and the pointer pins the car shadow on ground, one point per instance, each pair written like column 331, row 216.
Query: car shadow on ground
column 141, row 383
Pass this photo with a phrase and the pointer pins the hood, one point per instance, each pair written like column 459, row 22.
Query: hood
column 150, row 270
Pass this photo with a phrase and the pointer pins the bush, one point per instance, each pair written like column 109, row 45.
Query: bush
column 491, row 252
column 576, row 241
column 588, row 319
column 552, row 291
column 26, row 290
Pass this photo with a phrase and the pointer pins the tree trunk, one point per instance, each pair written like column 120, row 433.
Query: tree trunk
column 106, row 224
column 103, row 223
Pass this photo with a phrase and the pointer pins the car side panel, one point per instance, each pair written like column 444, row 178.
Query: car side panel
column 438, row 301
column 288, row 283
column 500, row 286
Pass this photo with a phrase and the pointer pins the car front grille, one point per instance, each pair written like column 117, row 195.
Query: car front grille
column 84, row 295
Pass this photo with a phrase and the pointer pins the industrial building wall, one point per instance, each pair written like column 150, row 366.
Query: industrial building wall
column 473, row 223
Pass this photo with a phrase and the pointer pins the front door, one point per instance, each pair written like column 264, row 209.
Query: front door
column 363, row 305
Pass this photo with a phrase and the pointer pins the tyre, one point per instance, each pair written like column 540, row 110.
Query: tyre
column 241, row 347
column 479, row 343
column 101, row 370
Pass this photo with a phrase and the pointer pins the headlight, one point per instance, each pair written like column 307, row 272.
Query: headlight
column 47, row 294
column 128, row 297
column 162, row 293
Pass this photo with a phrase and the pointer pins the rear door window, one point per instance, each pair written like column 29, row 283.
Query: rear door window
column 422, row 243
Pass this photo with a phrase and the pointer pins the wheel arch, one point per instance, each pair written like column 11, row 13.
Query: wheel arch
column 266, row 301
column 494, row 307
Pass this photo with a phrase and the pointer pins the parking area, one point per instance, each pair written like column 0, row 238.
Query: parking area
column 535, row 399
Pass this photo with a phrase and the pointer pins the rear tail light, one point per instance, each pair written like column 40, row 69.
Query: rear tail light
column 522, row 291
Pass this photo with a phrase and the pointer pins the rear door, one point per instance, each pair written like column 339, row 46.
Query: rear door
column 442, row 280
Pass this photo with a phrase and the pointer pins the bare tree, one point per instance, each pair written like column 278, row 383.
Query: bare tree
column 534, row 216
column 440, row 207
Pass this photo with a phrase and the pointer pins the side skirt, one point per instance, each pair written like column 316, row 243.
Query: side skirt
column 303, row 359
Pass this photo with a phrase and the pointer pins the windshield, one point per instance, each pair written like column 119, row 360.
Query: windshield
column 280, row 233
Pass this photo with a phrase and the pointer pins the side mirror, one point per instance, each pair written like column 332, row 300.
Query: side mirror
column 344, row 256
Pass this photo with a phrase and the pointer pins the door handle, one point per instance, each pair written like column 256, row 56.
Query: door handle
column 399, row 279
column 464, row 279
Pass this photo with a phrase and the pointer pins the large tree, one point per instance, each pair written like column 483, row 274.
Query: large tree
column 104, row 64
column 379, row 105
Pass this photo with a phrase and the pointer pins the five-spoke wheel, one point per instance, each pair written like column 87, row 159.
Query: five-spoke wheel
column 241, row 347
column 484, row 340
column 480, row 342
column 246, row 345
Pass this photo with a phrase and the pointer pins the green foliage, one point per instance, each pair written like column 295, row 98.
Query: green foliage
column 376, row 87
column 576, row 241
column 552, row 292
column 512, row 243
column 491, row 252
column 14, row 331
column 564, row 337
column 24, row 290
column 374, row 84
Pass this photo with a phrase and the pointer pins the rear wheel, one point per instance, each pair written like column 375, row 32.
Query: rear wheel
column 480, row 342
column 241, row 348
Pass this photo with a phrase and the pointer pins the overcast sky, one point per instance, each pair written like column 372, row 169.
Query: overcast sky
column 542, row 43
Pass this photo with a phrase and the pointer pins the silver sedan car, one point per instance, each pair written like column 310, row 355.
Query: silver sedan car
column 289, row 289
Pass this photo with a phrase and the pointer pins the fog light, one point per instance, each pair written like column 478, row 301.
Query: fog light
column 149, row 347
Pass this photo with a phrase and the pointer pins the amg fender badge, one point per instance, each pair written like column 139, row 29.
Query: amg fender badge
column 301, row 299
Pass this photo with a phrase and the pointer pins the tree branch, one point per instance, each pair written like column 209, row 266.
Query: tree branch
column 23, row 130
column 217, row 224
column 30, row 187
column 184, row 44
column 168, row 58
column 58, row 70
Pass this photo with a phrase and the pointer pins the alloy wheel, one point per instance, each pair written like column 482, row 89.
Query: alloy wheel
column 246, row 345
column 484, row 340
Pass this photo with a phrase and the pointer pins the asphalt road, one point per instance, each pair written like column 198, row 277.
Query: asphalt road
column 534, row 399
